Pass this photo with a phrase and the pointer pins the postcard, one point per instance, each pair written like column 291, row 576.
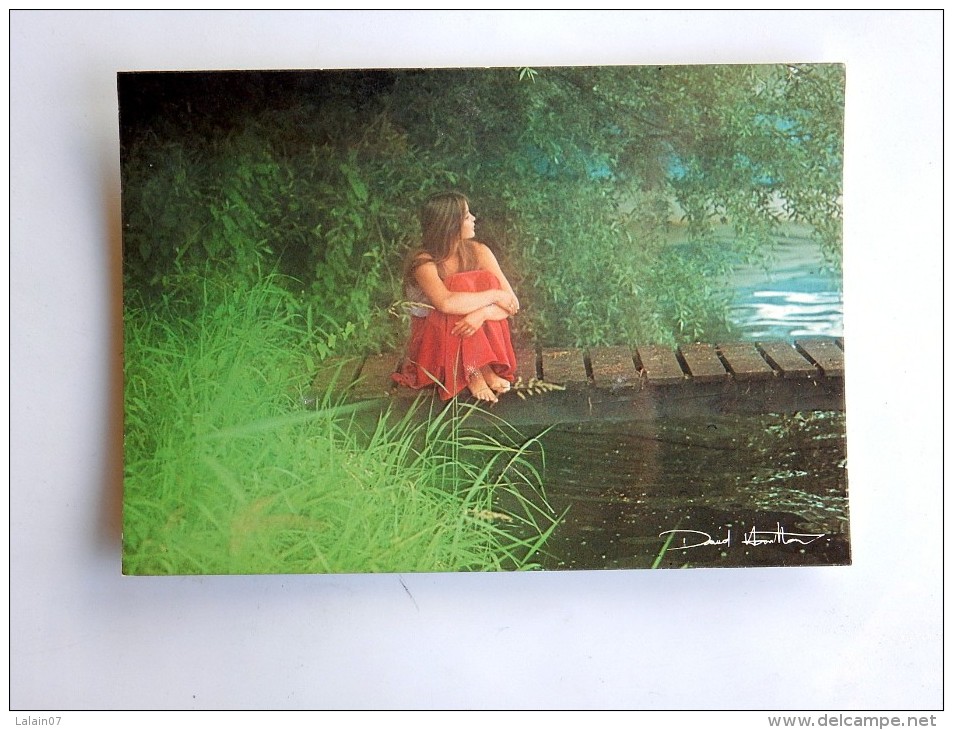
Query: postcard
column 483, row 319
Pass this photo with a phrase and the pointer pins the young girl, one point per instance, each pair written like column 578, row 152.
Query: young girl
column 464, row 341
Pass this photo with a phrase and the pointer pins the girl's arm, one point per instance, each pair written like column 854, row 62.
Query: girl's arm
column 474, row 320
column 488, row 261
column 459, row 303
column 494, row 312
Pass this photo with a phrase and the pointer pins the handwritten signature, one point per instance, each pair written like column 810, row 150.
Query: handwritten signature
column 754, row 536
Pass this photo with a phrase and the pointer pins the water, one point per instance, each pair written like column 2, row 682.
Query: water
column 624, row 485
column 799, row 297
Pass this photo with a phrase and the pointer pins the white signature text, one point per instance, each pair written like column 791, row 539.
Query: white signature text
column 754, row 536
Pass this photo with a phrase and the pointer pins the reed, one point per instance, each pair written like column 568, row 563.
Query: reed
column 226, row 473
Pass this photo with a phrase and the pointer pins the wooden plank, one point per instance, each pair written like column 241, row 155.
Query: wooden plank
column 613, row 367
column 660, row 365
column 703, row 363
column 745, row 362
column 374, row 380
column 335, row 373
column 826, row 354
column 526, row 364
column 788, row 361
column 564, row 366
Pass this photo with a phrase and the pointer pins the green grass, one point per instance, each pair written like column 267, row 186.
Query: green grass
column 226, row 473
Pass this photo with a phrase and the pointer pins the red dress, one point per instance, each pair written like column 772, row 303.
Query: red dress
column 435, row 357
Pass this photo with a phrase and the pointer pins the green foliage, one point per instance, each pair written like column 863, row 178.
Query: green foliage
column 581, row 179
column 186, row 206
column 225, row 473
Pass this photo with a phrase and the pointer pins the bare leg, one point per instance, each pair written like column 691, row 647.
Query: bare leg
column 479, row 388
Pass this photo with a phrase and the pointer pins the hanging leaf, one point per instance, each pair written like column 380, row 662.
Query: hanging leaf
column 357, row 185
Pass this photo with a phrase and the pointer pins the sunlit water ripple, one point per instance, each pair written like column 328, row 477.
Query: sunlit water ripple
column 778, row 314
column 798, row 298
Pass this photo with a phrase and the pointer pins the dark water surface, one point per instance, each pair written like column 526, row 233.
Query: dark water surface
column 625, row 484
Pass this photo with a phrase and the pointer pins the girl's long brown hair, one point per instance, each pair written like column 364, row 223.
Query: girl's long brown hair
column 441, row 218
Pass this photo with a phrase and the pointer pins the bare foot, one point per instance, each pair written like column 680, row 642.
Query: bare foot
column 497, row 384
column 480, row 390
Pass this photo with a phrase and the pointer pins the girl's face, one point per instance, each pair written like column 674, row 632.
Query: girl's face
column 468, row 227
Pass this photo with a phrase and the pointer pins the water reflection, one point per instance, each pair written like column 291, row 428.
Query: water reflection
column 626, row 483
column 784, row 315
column 798, row 295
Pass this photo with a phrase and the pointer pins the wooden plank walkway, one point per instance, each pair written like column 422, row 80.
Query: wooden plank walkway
column 826, row 355
column 660, row 365
column 770, row 375
column 786, row 360
column 745, row 361
column 613, row 367
column 704, row 364
column 565, row 367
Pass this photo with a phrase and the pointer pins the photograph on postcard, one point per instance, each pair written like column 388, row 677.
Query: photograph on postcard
column 494, row 319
